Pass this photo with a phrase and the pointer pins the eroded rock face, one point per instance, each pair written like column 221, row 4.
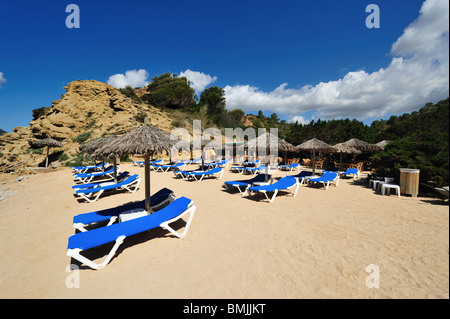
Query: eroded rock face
column 88, row 107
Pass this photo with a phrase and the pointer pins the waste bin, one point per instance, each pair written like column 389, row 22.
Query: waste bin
column 409, row 181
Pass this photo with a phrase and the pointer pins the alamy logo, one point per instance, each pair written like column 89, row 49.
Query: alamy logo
column 373, row 280
column 73, row 19
column 73, row 279
column 373, row 19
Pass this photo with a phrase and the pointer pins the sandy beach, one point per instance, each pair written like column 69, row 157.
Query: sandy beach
column 316, row 245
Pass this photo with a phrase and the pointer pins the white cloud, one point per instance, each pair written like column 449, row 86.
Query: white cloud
column 417, row 74
column 298, row 118
column 2, row 79
column 427, row 33
column 133, row 78
column 199, row 81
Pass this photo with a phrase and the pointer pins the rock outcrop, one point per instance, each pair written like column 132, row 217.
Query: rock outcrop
column 88, row 110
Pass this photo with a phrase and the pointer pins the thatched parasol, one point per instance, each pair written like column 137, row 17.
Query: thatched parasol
column 345, row 148
column 144, row 140
column 361, row 145
column 49, row 142
column 92, row 146
column 316, row 145
column 95, row 145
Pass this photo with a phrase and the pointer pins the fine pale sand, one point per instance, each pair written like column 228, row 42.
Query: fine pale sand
column 316, row 245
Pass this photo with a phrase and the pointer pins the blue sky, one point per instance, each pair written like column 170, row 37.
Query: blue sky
column 300, row 59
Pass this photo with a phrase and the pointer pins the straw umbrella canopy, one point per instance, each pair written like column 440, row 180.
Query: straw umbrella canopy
column 315, row 145
column 360, row 145
column 144, row 140
column 49, row 142
column 345, row 148
column 94, row 145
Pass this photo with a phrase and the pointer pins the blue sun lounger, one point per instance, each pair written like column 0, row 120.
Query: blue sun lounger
column 248, row 182
column 253, row 170
column 184, row 174
column 326, row 179
column 125, row 184
column 217, row 164
column 84, row 169
column 118, row 232
column 284, row 183
column 301, row 176
column 351, row 171
column 142, row 163
column 165, row 168
column 199, row 175
column 194, row 161
column 290, row 167
column 105, row 182
column 239, row 169
column 87, row 177
column 157, row 201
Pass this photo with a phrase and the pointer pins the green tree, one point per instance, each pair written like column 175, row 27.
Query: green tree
column 420, row 140
column 169, row 90
column 214, row 98
column 237, row 115
column 129, row 91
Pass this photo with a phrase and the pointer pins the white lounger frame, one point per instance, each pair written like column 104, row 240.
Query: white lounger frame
column 75, row 253
column 87, row 179
column 203, row 175
column 166, row 169
column 127, row 187
column 326, row 184
column 296, row 185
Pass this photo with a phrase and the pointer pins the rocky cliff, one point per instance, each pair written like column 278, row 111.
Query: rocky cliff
column 88, row 110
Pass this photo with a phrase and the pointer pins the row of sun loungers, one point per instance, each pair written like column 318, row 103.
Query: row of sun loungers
column 131, row 218
column 263, row 183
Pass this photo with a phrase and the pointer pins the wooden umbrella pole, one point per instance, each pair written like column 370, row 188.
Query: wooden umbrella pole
column 115, row 169
column 314, row 161
column 203, row 160
column 147, row 182
column 46, row 158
